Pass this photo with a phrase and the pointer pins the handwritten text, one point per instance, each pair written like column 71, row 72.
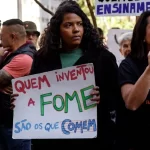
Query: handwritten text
column 73, row 74
column 34, row 83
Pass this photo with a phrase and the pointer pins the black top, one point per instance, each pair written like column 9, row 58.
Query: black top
column 136, row 123
column 6, row 114
column 106, row 77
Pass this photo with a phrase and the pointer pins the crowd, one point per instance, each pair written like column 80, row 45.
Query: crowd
column 121, row 92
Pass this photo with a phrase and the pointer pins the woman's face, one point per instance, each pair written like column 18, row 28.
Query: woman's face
column 147, row 37
column 71, row 31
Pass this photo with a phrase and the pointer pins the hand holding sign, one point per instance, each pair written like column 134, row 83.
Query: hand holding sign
column 13, row 99
column 95, row 94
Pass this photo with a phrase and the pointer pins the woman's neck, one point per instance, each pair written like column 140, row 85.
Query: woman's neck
column 69, row 49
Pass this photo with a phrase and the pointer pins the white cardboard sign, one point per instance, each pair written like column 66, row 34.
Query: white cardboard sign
column 55, row 104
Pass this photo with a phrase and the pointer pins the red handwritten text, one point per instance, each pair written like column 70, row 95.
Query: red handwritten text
column 31, row 102
column 34, row 83
column 74, row 73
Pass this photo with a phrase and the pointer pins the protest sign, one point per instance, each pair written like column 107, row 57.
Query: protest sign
column 121, row 7
column 55, row 104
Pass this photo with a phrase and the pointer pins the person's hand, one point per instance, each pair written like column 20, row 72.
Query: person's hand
column 12, row 100
column 96, row 95
column 7, row 90
column 3, row 50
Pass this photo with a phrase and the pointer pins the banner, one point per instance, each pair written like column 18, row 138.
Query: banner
column 121, row 7
column 55, row 104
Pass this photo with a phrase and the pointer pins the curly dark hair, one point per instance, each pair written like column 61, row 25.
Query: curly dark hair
column 51, row 40
column 138, row 44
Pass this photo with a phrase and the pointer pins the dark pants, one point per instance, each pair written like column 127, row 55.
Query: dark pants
column 7, row 143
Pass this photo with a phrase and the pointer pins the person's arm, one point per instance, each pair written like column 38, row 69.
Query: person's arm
column 134, row 87
column 109, row 85
column 135, row 94
column 3, row 53
column 5, row 79
column 107, row 80
column 18, row 67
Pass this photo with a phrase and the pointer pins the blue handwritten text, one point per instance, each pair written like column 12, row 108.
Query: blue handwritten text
column 22, row 125
column 50, row 126
column 67, row 126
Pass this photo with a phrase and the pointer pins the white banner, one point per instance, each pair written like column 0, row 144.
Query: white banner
column 121, row 7
column 55, row 104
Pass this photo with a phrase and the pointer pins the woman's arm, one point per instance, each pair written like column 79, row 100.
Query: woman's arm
column 135, row 94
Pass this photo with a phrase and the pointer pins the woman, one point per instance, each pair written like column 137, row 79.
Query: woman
column 135, row 85
column 69, row 40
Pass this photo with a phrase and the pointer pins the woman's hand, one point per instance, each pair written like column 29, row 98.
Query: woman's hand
column 96, row 95
column 12, row 100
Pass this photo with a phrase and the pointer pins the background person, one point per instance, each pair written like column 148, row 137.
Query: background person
column 135, row 86
column 32, row 32
column 124, row 42
column 16, row 63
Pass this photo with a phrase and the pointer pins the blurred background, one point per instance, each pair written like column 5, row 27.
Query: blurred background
column 31, row 11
